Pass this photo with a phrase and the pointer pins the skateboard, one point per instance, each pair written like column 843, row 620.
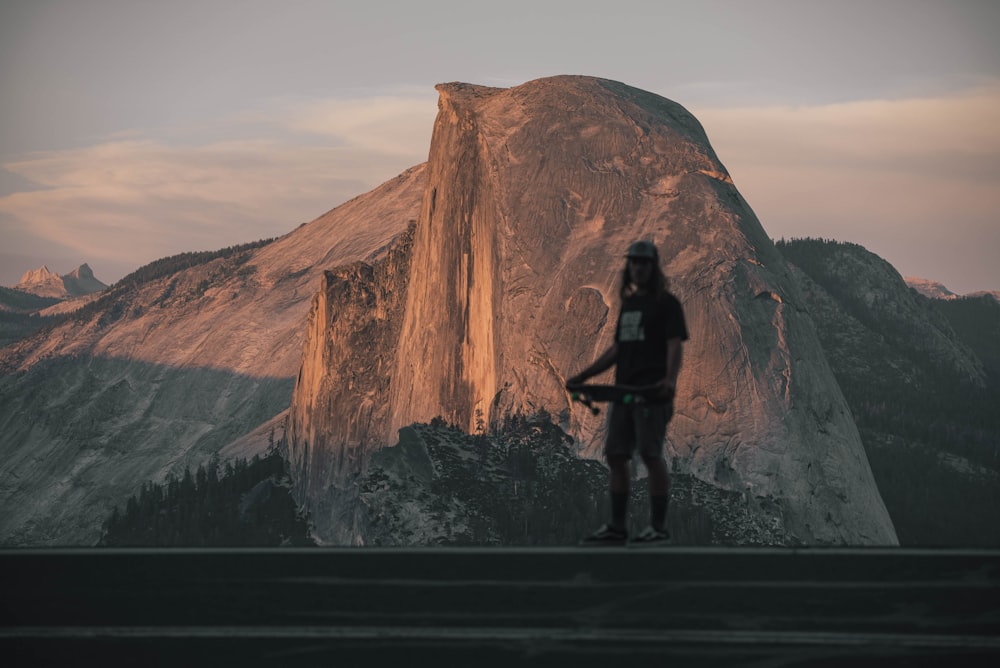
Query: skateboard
column 588, row 395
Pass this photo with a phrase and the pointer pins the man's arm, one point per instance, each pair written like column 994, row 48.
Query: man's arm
column 675, row 350
column 603, row 363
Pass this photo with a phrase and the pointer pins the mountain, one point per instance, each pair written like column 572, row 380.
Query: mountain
column 878, row 319
column 929, row 288
column 993, row 294
column 167, row 367
column 936, row 290
column 81, row 281
column 45, row 283
column 509, row 285
column 42, row 282
column 469, row 287
column 922, row 377
column 41, row 297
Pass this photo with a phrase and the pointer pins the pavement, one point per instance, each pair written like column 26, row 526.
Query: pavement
column 500, row 607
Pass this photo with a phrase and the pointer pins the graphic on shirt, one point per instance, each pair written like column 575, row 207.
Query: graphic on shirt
column 631, row 328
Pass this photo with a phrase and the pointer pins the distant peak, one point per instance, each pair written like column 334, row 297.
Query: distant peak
column 40, row 275
column 929, row 288
column 44, row 282
column 83, row 271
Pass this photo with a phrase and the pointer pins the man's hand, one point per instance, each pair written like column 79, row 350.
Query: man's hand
column 603, row 363
column 666, row 390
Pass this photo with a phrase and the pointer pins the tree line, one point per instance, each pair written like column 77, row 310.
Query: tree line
column 114, row 302
column 244, row 503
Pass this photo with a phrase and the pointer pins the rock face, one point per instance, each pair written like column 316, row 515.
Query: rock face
column 81, row 281
column 532, row 196
column 341, row 401
column 43, row 283
column 167, row 368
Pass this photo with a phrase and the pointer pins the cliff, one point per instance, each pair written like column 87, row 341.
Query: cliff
column 532, row 196
column 181, row 360
column 341, row 400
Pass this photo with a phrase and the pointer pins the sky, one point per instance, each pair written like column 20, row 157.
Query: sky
column 132, row 130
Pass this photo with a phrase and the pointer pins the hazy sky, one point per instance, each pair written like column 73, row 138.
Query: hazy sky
column 133, row 129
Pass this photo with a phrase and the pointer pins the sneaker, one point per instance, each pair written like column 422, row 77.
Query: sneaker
column 606, row 535
column 652, row 536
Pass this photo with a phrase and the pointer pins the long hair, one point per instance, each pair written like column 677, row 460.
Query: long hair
column 660, row 285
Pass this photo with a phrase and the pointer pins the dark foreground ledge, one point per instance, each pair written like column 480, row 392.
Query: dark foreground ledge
column 506, row 607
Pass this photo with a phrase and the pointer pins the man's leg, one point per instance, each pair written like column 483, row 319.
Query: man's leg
column 615, row 532
column 620, row 477
column 652, row 430
column 659, row 476
column 618, row 453
column 659, row 490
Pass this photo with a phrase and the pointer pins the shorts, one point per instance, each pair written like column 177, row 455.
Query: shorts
column 641, row 427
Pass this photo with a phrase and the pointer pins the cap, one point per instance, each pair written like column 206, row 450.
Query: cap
column 642, row 249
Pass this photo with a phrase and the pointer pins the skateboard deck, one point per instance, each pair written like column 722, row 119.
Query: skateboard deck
column 588, row 395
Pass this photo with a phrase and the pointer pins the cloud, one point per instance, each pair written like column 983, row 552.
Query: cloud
column 904, row 178
column 913, row 180
column 132, row 200
column 953, row 141
column 392, row 125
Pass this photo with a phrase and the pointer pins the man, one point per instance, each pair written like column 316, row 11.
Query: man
column 647, row 353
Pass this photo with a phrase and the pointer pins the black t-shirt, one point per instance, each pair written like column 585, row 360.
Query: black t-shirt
column 645, row 324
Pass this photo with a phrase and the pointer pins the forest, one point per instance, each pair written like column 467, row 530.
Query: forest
column 239, row 504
